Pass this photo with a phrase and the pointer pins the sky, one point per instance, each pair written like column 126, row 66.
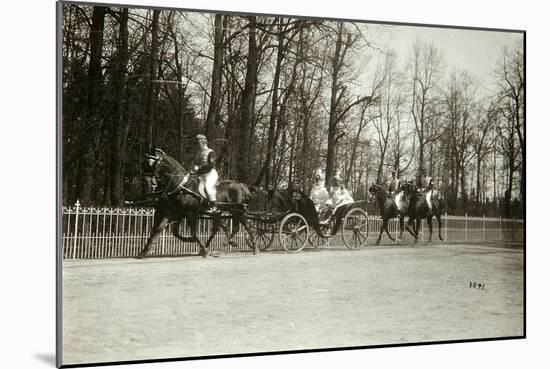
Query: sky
column 473, row 50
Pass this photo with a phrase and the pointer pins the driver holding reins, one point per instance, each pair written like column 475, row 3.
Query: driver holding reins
column 205, row 168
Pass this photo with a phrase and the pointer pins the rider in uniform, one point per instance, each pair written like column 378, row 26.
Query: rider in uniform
column 429, row 191
column 205, row 168
column 394, row 187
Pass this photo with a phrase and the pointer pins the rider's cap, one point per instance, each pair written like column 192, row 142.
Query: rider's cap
column 201, row 138
column 394, row 171
column 318, row 173
column 336, row 177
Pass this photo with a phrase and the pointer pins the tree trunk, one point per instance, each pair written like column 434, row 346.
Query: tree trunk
column 91, row 131
column 118, row 123
column 152, row 86
column 478, row 185
column 332, row 124
column 274, row 104
column 213, row 117
column 247, row 107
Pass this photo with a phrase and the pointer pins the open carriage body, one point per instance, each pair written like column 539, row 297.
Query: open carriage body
column 294, row 222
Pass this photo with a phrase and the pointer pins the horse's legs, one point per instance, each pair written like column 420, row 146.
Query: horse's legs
column 439, row 222
column 216, row 224
column 204, row 249
column 234, row 231
column 381, row 231
column 401, row 226
column 250, row 240
column 159, row 224
column 385, row 225
column 417, row 229
column 430, row 226
column 175, row 232
column 410, row 222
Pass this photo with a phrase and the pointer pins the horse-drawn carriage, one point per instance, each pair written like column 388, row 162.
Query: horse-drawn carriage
column 289, row 213
column 295, row 222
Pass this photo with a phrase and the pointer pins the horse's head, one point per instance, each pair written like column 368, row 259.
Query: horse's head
column 375, row 188
column 377, row 191
column 150, row 166
column 161, row 170
column 409, row 188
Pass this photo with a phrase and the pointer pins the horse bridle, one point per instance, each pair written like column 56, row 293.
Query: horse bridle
column 181, row 186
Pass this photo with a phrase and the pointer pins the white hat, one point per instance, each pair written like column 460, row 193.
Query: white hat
column 337, row 176
column 319, row 173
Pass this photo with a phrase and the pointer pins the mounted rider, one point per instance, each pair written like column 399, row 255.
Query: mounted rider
column 394, row 191
column 428, row 188
column 205, row 168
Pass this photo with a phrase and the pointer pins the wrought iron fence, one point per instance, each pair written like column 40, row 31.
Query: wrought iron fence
column 122, row 232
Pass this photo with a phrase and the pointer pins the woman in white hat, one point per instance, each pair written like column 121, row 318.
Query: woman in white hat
column 319, row 193
column 338, row 192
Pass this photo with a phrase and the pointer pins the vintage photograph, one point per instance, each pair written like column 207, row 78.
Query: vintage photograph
column 236, row 183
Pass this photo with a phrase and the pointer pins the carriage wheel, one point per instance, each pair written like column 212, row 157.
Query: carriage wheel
column 320, row 242
column 355, row 229
column 293, row 232
column 264, row 237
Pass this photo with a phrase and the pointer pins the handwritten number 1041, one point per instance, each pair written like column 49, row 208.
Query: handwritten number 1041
column 480, row 286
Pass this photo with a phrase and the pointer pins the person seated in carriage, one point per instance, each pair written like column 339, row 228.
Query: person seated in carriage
column 205, row 168
column 338, row 192
column 320, row 196
column 339, row 195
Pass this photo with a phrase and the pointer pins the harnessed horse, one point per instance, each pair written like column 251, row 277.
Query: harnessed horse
column 179, row 199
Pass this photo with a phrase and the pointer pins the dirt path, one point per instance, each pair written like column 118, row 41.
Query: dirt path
column 127, row 309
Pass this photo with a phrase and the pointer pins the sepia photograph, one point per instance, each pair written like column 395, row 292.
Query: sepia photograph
column 235, row 183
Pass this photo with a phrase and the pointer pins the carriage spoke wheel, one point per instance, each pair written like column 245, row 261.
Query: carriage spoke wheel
column 320, row 242
column 265, row 235
column 293, row 232
column 355, row 229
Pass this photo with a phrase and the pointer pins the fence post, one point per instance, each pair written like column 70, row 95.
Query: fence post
column 483, row 227
column 512, row 228
column 446, row 226
column 77, row 207
column 466, row 225
column 500, row 226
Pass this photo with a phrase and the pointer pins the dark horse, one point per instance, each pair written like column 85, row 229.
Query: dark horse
column 418, row 209
column 179, row 199
column 388, row 210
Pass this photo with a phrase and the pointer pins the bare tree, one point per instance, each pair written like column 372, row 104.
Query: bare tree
column 461, row 104
column 340, row 102
column 483, row 142
column 424, row 68
column 511, row 77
